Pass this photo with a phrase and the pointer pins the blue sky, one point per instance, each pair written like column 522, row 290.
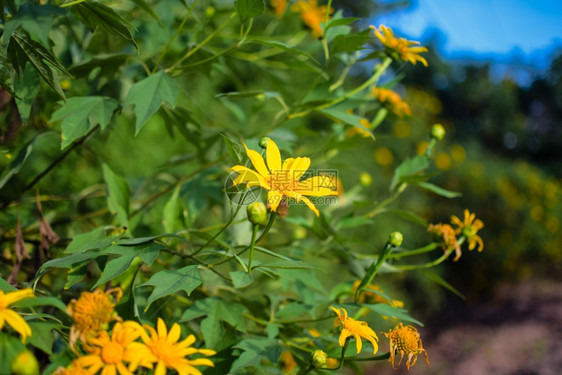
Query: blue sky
column 483, row 26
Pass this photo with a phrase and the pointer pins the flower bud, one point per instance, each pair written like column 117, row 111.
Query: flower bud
column 319, row 358
column 257, row 213
column 437, row 132
column 25, row 363
column 395, row 239
column 365, row 179
column 264, row 141
column 210, row 12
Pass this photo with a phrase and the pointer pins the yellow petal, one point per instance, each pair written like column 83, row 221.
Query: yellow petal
column 299, row 167
column 202, row 362
column 249, row 176
column 161, row 326
column 273, row 156
column 274, row 199
column 300, row 198
column 17, row 295
column 358, row 343
column 257, row 162
column 174, row 334
column 17, row 323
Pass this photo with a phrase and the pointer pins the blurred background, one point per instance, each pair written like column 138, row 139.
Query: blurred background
column 494, row 81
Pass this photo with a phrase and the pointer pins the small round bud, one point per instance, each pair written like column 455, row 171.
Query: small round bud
column 299, row 233
column 319, row 358
column 257, row 213
column 437, row 132
column 264, row 141
column 25, row 363
column 210, row 12
column 395, row 239
column 365, row 179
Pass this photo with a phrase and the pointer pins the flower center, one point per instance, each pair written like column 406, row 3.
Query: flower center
column 281, row 180
column 406, row 340
column 112, row 353
column 164, row 351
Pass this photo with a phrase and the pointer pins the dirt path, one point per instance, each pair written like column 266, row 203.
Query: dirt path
column 519, row 332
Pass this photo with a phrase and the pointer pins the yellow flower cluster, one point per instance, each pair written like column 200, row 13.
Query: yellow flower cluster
column 120, row 351
column 399, row 48
column 311, row 14
column 392, row 101
column 279, row 7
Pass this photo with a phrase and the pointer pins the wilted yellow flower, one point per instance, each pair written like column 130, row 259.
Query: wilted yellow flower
column 12, row 318
column 110, row 354
column 73, row 369
column 405, row 340
column 311, row 14
column 392, row 101
column 283, row 180
column 468, row 228
column 91, row 313
column 446, row 233
column 288, row 363
column 279, row 7
column 355, row 328
column 399, row 47
column 162, row 347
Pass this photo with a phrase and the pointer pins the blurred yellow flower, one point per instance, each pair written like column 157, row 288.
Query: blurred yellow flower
column 405, row 340
column 468, row 228
column 392, row 101
column 110, row 354
column 283, row 180
column 355, row 328
column 288, row 363
column 458, row 153
column 421, row 147
column 91, row 313
column 370, row 295
column 332, row 362
column 162, row 347
column 383, row 156
column 446, row 233
column 401, row 129
column 279, row 7
column 443, row 161
column 399, row 47
column 356, row 130
column 9, row 316
column 73, row 369
column 311, row 14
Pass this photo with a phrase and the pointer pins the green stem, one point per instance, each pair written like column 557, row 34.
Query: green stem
column 343, row 349
column 219, row 232
column 374, row 358
column 408, row 267
column 387, row 201
column 180, row 27
column 379, row 70
column 252, row 244
column 205, row 41
column 421, row 250
column 372, row 271
column 272, row 216
column 324, row 40
column 72, row 3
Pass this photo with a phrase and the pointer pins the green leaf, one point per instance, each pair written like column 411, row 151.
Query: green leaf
column 6, row 286
column 41, row 301
column 42, row 337
column 117, row 266
column 387, row 310
column 147, row 96
column 10, row 347
column 172, row 281
column 408, row 168
column 94, row 239
column 410, row 216
column 287, row 264
column 26, row 90
column 81, row 114
column 118, row 194
column 353, row 222
column 285, row 47
column 146, row 7
column 35, row 19
column 66, row 261
column 351, row 43
column 233, row 148
column 249, row 8
column 439, row 190
column 22, row 50
column 172, row 212
column 96, row 14
column 439, row 280
column 341, row 22
column 241, row 279
column 346, row 118
column 255, row 351
column 20, row 160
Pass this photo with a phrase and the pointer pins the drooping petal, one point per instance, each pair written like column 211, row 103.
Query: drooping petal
column 274, row 198
column 305, row 200
column 257, row 162
column 17, row 323
column 273, row 156
column 249, row 176
column 358, row 342
column 343, row 336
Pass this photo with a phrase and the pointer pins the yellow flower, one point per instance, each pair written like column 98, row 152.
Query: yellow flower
column 91, row 313
column 279, row 7
column 11, row 317
column 283, row 180
column 311, row 14
column 355, row 328
column 109, row 354
column 356, row 130
column 468, row 228
column 73, row 369
column 162, row 347
column 392, row 101
column 288, row 363
column 405, row 340
column 446, row 233
column 399, row 47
